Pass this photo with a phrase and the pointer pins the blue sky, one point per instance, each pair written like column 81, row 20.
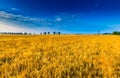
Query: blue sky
column 66, row 16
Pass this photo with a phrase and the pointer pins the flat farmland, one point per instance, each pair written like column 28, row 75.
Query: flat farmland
column 59, row 56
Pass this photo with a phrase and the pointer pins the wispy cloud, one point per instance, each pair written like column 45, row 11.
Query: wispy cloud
column 20, row 19
column 60, row 22
column 4, row 27
column 30, row 22
column 14, row 9
column 10, row 28
column 21, row 23
column 58, row 19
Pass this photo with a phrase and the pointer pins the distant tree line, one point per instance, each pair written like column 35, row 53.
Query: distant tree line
column 25, row 33
column 107, row 33
column 116, row 33
column 48, row 33
column 113, row 33
column 15, row 33
column 54, row 33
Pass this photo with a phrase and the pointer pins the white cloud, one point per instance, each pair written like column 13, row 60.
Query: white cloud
column 6, row 15
column 11, row 28
column 30, row 24
column 58, row 19
column 20, row 18
column 8, row 28
column 14, row 9
column 18, row 23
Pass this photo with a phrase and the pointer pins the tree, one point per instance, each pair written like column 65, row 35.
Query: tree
column 59, row 33
column 40, row 33
column 48, row 32
column 25, row 33
column 54, row 33
column 116, row 33
column 45, row 33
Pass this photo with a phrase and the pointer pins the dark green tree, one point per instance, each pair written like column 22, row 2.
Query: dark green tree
column 116, row 33
column 59, row 33
column 48, row 33
column 54, row 33
column 45, row 33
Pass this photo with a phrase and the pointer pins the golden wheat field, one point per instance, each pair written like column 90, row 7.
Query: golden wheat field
column 59, row 56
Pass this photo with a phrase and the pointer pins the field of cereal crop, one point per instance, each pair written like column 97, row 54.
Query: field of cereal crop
column 59, row 56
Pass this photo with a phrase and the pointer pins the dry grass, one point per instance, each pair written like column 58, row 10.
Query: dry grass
column 65, row 56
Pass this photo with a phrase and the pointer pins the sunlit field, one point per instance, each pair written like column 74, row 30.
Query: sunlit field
column 59, row 56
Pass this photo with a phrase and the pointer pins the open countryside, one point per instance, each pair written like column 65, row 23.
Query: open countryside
column 59, row 56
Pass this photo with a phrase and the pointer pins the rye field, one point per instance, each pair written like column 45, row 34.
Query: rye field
column 59, row 56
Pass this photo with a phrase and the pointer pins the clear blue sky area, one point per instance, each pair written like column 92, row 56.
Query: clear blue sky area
column 66, row 16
